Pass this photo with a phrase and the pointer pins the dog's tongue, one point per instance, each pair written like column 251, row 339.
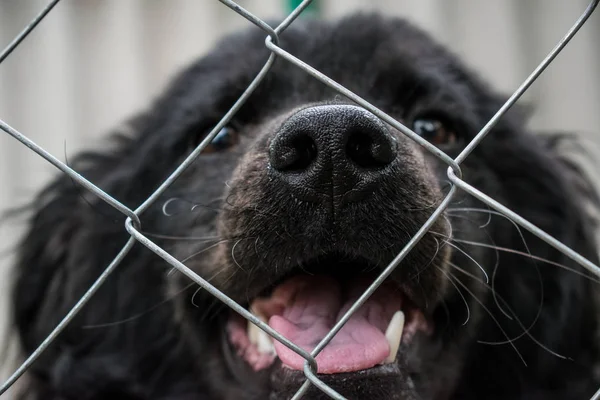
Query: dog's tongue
column 306, row 308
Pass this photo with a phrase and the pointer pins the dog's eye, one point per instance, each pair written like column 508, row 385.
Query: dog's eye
column 226, row 138
column 434, row 131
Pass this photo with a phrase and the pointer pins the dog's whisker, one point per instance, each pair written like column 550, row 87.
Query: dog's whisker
column 256, row 245
column 426, row 207
column 491, row 316
column 437, row 250
column 141, row 314
column 494, row 274
column 514, row 224
column 459, row 292
column 490, row 213
column 494, row 271
column 199, row 289
column 528, row 255
column 233, row 255
column 497, row 249
column 466, row 218
column 192, row 300
column 492, row 289
column 191, row 204
column 473, row 209
column 204, row 250
column 526, row 331
column 487, row 278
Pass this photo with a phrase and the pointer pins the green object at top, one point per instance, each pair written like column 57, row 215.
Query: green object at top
column 312, row 9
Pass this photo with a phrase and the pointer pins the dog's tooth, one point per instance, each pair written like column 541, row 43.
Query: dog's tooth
column 260, row 339
column 265, row 343
column 253, row 332
column 393, row 334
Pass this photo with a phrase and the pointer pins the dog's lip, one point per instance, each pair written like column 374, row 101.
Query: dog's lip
column 395, row 380
column 285, row 377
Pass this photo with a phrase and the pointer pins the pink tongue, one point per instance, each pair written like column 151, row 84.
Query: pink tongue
column 312, row 305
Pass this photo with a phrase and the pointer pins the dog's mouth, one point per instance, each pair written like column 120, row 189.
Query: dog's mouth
column 304, row 308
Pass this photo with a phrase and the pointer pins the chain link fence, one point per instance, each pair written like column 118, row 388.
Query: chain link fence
column 133, row 221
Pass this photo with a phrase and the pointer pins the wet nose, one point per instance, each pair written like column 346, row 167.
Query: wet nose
column 332, row 150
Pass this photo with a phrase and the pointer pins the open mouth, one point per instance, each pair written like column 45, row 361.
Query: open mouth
column 305, row 307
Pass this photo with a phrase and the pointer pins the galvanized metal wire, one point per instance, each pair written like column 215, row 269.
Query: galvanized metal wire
column 133, row 222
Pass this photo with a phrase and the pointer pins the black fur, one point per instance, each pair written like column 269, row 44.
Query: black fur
column 150, row 334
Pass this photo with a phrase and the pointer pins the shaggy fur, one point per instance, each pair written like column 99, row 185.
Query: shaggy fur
column 244, row 224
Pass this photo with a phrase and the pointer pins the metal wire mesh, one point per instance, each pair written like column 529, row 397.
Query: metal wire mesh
column 133, row 222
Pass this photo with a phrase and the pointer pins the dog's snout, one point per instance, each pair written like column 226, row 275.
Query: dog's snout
column 331, row 149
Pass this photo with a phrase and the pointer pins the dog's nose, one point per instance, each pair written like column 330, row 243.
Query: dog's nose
column 332, row 150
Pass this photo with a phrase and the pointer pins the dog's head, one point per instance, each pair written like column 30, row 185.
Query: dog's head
column 316, row 196
column 304, row 198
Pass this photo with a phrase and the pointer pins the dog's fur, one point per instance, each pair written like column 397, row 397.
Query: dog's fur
column 150, row 334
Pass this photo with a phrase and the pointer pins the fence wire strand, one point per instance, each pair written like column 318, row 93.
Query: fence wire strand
column 28, row 29
column 132, row 218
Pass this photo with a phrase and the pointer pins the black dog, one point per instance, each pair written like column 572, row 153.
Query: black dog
column 291, row 211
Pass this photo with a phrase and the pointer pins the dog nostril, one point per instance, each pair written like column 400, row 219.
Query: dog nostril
column 297, row 155
column 368, row 153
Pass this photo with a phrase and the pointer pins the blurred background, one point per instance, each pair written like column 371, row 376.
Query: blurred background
column 92, row 63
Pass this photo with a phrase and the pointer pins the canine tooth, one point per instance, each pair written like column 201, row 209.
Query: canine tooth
column 265, row 343
column 260, row 339
column 252, row 332
column 393, row 334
